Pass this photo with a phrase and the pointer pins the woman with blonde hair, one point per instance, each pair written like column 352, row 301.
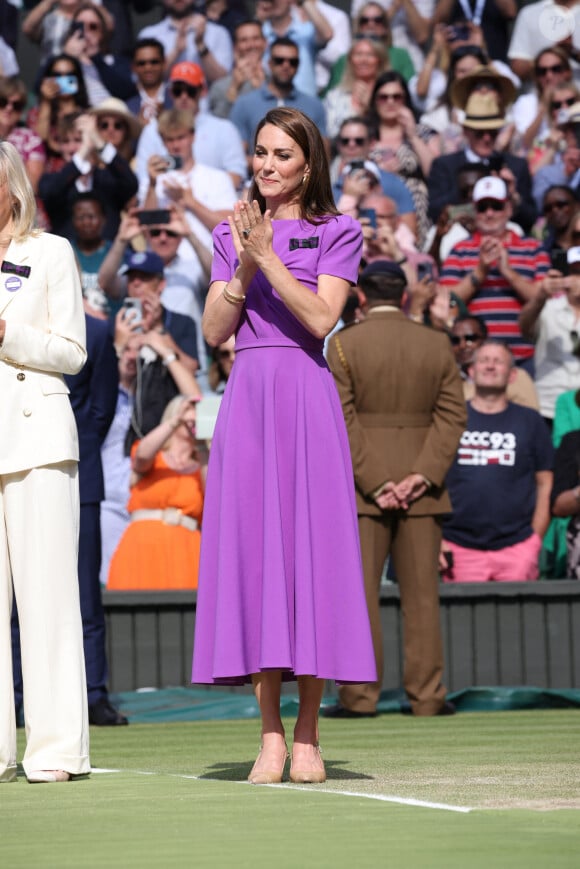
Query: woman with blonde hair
column 366, row 60
column 42, row 337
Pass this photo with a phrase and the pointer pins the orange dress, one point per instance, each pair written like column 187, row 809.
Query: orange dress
column 154, row 555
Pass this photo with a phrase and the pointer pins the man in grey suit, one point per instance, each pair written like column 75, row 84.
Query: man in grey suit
column 403, row 404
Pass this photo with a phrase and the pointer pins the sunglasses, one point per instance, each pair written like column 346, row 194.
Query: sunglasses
column 278, row 61
column 575, row 342
column 112, row 125
column 358, row 140
column 154, row 61
column 372, row 19
column 155, row 233
column 15, row 105
column 481, row 134
column 482, row 206
column 558, row 203
column 90, row 25
column 180, row 88
column 544, row 70
column 469, row 339
column 387, row 98
column 559, row 104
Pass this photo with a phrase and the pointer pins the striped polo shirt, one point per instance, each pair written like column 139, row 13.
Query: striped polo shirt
column 495, row 301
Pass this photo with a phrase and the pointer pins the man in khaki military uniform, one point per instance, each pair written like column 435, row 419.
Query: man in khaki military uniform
column 403, row 404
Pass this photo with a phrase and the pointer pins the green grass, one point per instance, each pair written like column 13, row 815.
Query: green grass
column 518, row 771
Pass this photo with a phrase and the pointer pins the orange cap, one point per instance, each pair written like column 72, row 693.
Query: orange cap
column 188, row 72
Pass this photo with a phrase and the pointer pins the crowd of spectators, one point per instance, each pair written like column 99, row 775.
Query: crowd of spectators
column 453, row 133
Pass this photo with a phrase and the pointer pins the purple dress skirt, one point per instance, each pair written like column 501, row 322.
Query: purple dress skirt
column 280, row 580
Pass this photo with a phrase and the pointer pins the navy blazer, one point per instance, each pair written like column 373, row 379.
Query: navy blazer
column 443, row 190
column 93, row 395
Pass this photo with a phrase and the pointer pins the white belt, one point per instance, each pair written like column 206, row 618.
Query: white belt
column 170, row 516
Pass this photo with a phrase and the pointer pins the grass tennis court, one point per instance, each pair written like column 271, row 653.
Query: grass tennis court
column 179, row 798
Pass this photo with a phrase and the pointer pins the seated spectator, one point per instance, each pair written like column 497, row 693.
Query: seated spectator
column 486, row 80
column 118, row 126
column 280, row 90
column 168, row 348
column 148, row 66
column 48, row 24
column 306, row 25
column 105, row 74
column 467, row 334
column 217, row 142
column 533, row 113
column 188, row 36
column 499, row 483
column 61, row 92
column 159, row 549
column 366, row 60
column 13, row 98
column 495, row 271
column 552, row 321
column 247, row 73
column 91, row 164
column 529, row 36
column 90, row 247
column 560, row 209
column 492, row 22
column 354, row 175
column 222, row 360
column 116, row 465
column 372, row 21
column 186, row 272
column 565, row 166
column 566, row 498
column 400, row 145
column 206, row 194
column 481, row 125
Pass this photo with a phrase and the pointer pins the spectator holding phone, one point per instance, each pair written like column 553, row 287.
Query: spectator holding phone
column 48, row 24
column 91, row 164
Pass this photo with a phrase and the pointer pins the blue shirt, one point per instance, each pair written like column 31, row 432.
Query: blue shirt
column 303, row 33
column 249, row 109
column 392, row 186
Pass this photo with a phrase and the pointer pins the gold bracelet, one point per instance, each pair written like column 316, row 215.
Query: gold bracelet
column 232, row 298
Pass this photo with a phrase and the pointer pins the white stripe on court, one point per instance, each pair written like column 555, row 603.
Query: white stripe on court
column 403, row 801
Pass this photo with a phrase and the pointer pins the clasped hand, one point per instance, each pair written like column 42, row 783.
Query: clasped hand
column 399, row 496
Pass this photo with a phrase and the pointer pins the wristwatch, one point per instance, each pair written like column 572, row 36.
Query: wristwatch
column 202, row 50
column 171, row 357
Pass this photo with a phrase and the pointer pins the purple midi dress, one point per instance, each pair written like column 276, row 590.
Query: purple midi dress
column 280, row 581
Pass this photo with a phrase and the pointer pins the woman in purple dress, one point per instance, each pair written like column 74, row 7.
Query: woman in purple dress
column 281, row 593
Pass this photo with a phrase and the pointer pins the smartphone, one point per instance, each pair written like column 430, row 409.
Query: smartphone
column 150, row 217
column 559, row 260
column 425, row 270
column 370, row 214
column 459, row 31
column 133, row 310
column 78, row 27
column 173, row 163
column 356, row 166
column 495, row 162
column 67, row 84
column 457, row 211
column 448, row 556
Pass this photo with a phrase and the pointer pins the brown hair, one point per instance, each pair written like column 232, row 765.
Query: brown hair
column 316, row 199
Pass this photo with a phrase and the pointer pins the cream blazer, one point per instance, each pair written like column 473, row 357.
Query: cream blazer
column 44, row 339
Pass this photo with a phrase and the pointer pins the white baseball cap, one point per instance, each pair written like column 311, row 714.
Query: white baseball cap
column 490, row 187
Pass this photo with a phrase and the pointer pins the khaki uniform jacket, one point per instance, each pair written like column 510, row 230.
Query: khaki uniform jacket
column 44, row 339
column 403, row 404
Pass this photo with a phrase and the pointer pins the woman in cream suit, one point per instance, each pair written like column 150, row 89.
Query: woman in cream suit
column 42, row 336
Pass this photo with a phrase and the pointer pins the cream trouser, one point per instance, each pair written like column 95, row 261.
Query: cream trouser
column 39, row 526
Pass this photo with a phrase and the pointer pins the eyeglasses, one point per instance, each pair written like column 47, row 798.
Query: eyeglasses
column 482, row 206
column 372, row 19
column 469, row 339
column 15, row 105
column 278, row 61
column 544, row 70
column 559, row 104
column 180, row 88
column 154, row 61
column 558, row 203
column 112, row 125
column 358, row 140
column 387, row 98
column 155, row 233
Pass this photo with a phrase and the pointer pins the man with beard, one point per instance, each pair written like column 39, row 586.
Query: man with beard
column 187, row 35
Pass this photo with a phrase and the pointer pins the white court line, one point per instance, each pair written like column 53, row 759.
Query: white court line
column 403, row 801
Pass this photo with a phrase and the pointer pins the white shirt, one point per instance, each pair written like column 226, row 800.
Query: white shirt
column 557, row 369
column 216, row 38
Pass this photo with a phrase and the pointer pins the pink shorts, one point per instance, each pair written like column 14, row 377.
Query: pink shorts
column 517, row 563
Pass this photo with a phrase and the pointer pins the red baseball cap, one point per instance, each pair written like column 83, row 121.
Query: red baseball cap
column 188, row 72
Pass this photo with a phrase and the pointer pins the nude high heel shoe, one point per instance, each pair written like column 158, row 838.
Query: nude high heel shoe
column 314, row 774
column 272, row 776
